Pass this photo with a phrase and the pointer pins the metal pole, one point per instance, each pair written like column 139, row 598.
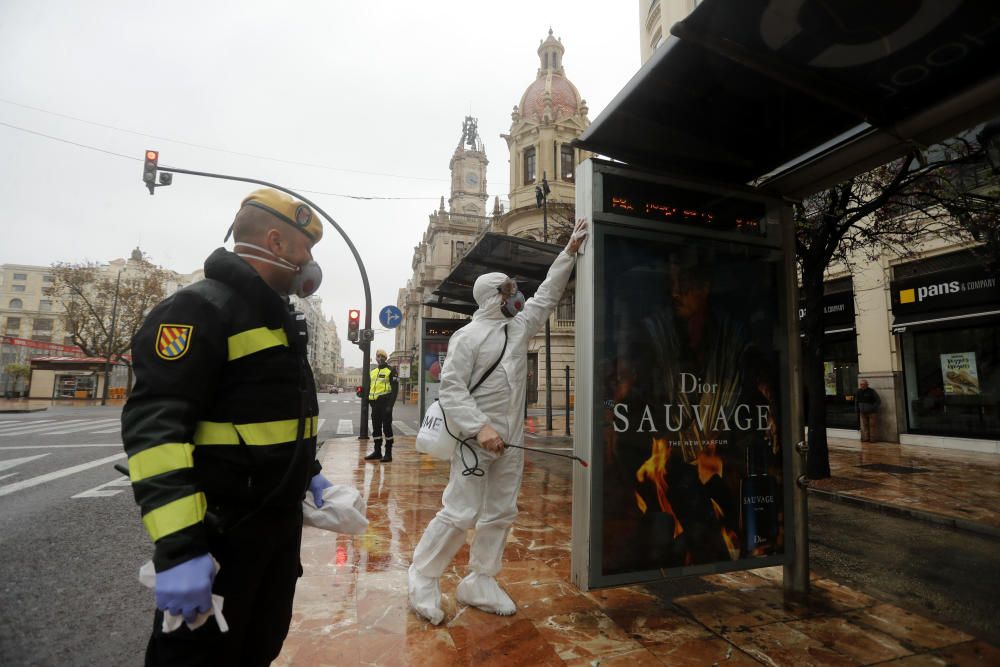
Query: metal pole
column 548, row 332
column 796, row 568
column 364, row 345
column 111, row 339
column 567, row 399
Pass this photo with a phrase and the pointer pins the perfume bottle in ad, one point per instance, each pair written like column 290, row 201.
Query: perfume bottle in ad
column 759, row 501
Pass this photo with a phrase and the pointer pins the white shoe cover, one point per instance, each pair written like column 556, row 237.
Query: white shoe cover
column 425, row 596
column 483, row 592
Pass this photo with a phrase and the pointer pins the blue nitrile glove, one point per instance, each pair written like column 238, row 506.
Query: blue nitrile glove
column 186, row 589
column 316, row 485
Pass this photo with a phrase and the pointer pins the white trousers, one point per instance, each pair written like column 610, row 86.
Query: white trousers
column 487, row 503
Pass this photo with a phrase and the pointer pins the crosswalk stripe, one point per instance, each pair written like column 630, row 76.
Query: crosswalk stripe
column 45, row 427
column 103, row 491
column 345, row 427
column 48, row 477
column 116, row 429
column 103, row 423
column 21, row 423
column 10, row 463
column 319, row 425
column 403, row 428
column 39, row 423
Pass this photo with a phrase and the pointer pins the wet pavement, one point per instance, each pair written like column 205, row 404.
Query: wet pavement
column 351, row 604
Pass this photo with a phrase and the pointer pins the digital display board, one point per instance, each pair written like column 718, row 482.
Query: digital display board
column 683, row 206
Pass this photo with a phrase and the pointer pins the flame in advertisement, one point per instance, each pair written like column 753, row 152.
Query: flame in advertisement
column 654, row 470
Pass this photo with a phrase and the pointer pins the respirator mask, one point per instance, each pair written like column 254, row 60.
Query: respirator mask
column 307, row 277
column 514, row 298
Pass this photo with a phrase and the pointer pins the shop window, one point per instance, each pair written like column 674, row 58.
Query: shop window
column 16, row 304
column 952, row 379
column 20, row 276
column 529, row 165
column 43, row 325
column 17, row 288
column 566, row 162
column 13, row 324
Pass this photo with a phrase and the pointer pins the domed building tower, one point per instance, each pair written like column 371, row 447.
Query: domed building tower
column 550, row 116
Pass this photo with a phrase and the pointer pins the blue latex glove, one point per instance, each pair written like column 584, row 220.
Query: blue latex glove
column 316, row 485
column 186, row 589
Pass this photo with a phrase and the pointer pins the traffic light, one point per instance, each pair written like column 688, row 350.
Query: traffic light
column 149, row 170
column 353, row 322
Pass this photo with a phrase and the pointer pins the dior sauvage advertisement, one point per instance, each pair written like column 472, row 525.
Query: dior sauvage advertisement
column 686, row 355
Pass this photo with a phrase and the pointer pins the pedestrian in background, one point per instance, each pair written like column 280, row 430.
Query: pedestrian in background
column 382, row 390
column 867, row 403
column 220, row 432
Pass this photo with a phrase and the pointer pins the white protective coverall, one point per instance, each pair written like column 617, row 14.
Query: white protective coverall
column 487, row 503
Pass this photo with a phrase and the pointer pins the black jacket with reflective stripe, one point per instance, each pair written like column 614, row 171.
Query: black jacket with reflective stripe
column 221, row 379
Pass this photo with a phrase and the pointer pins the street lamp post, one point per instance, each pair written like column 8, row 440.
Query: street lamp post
column 111, row 338
column 542, row 199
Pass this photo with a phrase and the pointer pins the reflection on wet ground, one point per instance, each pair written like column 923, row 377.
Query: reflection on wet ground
column 351, row 604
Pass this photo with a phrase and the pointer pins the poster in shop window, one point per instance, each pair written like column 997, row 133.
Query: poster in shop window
column 829, row 378
column 687, row 359
column 958, row 373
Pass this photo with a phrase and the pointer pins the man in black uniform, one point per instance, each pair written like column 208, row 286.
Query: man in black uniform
column 382, row 390
column 220, row 432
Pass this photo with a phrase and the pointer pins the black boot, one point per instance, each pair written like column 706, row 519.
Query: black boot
column 388, row 452
column 377, row 454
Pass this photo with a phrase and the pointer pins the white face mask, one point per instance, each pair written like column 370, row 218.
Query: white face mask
column 307, row 277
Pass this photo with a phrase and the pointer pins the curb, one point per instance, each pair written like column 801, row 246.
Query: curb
column 12, row 411
column 929, row 517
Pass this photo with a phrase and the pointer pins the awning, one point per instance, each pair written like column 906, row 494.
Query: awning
column 959, row 317
column 525, row 260
column 795, row 95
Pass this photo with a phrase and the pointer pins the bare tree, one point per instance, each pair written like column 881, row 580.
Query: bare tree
column 87, row 293
column 892, row 208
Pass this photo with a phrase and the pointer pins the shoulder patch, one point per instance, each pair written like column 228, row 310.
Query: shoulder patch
column 173, row 341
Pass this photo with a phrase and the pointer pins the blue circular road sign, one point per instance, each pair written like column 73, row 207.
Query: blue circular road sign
column 390, row 317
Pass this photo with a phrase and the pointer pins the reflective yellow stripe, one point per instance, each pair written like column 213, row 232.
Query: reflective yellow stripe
column 255, row 340
column 174, row 516
column 215, row 433
column 276, row 432
column 160, row 459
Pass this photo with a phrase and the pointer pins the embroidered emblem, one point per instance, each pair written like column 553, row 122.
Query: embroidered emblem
column 173, row 341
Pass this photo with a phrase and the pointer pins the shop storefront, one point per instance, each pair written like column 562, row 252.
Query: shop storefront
column 946, row 312
column 75, row 378
column 840, row 353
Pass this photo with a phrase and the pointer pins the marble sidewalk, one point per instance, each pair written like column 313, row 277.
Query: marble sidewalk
column 351, row 603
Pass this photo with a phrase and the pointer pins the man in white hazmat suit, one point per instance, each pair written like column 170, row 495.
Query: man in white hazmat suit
column 495, row 416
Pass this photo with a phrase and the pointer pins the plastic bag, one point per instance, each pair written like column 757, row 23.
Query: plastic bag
column 343, row 510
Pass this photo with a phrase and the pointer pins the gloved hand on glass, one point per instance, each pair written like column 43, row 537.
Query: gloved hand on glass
column 577, row 238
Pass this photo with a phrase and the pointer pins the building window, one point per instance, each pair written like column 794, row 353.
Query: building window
column 13, row 323
column 68, row 340
column 15, row 303
column 42, row 338
column 529, row 165
column 45, row 305
column 20, row 276
column 566, row 166
column 48, row 279
column 17, row 288
column 43, row 325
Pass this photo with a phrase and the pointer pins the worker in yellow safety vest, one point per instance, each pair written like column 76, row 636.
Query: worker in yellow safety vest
column 382, row 392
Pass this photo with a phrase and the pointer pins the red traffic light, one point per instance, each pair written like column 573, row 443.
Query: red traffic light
column 152, row 155
column 353, row 321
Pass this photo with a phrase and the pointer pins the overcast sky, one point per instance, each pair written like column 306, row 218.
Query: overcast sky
column 335, row 97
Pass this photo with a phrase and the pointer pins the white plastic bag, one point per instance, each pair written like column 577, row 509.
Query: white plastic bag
column 433, row 437
column 343, row 510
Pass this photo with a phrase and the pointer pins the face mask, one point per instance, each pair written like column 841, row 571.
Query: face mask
column 307, row 277
column 515, row 299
